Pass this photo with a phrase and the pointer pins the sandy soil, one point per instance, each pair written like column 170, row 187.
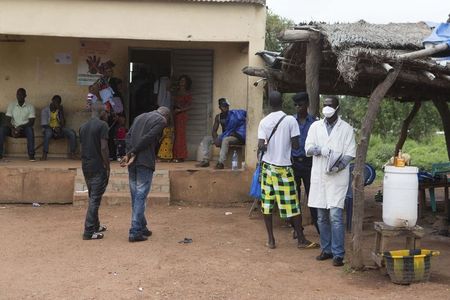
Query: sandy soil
column 42, row 256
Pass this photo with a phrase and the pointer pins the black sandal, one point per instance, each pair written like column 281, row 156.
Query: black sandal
column 94, row 236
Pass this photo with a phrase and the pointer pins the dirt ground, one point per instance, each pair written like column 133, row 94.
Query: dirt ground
column 42, row 256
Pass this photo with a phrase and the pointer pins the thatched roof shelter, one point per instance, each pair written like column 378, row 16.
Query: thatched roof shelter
column 353, row 56
column 368, row 60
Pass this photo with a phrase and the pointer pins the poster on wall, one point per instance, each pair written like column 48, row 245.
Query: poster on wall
column 92, row 55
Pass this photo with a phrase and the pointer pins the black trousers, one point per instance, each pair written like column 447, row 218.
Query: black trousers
column 302, row 173
column 96, row 183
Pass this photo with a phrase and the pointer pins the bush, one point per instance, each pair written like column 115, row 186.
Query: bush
column 423, row 154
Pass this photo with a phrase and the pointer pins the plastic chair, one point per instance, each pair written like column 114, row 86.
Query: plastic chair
column 436, row 169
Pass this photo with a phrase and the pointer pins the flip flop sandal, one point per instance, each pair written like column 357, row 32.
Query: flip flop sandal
column 186, row 241
column 102, row 228
column 94, row 236
column 308, row 245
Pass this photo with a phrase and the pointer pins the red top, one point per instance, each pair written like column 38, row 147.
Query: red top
column 121, row 133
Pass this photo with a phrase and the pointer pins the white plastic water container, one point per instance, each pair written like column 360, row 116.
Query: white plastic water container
column 400, row 192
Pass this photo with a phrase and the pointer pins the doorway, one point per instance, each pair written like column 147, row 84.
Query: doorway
column 148, row 67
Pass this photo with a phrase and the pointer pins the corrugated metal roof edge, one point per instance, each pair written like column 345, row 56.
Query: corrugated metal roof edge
column 260, row 2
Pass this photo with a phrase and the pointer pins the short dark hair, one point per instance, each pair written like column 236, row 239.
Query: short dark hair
column 300, row 97
column 57, row 98
column 334, row 98
column 275, row 99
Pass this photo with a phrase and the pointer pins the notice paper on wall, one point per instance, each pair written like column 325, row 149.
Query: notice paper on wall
column 63, row 58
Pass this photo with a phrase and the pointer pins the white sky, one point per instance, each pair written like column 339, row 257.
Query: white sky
column 372, row 11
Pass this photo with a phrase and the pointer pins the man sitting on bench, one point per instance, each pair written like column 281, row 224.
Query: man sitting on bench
column 53, row 122
column 20, row 118
column 233, row 124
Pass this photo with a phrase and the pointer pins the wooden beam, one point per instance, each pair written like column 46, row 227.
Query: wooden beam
column 312, row 70
column 298, row 35
column 406, row 75
column 376, row 97
column 429, row 75
column 425, row 52
column 446, row 77
column 405, row 126
column 387, row 67
column 257, row 72
column 444, row 112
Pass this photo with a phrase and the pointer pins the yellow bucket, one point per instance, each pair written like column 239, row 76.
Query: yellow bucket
column 408, row 266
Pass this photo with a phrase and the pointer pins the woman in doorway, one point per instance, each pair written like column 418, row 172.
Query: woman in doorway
column 182, row 103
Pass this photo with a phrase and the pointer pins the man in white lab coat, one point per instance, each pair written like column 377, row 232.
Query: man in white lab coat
column 331, row 142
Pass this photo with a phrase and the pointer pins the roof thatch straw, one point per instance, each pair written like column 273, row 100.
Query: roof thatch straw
column 353, row 56
column 403, row 36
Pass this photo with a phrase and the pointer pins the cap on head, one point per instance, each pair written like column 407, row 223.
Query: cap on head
column 300, row 97
column 223, row 102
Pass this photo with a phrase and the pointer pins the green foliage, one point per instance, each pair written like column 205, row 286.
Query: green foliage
column 391, row 116
column 274, row 25
column 288, row 104
column 423, row 154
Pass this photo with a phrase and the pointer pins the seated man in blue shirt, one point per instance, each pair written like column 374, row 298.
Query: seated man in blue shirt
column 300, row 162
column 233, row 123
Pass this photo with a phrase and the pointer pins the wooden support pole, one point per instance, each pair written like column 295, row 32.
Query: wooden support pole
column 444, row 112
column 356, row 258
column 405, row 126
column 425, row 52
column 312, row 70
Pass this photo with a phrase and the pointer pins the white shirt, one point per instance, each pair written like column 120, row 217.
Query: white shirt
column 20, row 114
column 279, row 147
column 329, row 190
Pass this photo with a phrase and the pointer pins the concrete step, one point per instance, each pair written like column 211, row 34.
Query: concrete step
column 122, row 198
column 124, row 171
column 120, row 183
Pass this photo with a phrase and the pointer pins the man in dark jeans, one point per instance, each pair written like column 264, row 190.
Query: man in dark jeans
column 95, row 165
column 141, row 143
column 20, row 117
column 300, row 162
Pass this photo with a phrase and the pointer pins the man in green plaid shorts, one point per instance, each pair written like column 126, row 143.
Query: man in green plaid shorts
column 278, row 184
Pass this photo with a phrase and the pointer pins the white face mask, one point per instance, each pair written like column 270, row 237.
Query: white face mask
column 328, row 111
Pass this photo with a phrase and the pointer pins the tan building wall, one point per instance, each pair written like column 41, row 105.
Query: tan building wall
column 31, row 65
column 234, row 31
